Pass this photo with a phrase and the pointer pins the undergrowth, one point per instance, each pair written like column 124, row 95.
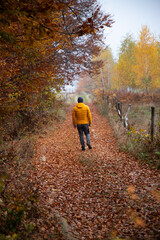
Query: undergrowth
column 21, row 213
column 136, row 141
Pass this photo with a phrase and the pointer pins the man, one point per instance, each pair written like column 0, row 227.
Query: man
column 82, row 118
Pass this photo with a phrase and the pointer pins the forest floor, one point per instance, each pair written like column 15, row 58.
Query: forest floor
column 102, row 193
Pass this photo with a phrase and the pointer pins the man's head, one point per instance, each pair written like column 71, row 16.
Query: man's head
column 80, row 100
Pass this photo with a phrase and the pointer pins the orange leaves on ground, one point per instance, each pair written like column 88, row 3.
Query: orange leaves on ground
column 156, row 194
column 131, row 189
column 131, row 192
column 138, row 221
column 96, row 191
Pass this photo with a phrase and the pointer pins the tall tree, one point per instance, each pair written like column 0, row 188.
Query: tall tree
column 105, row 62
column 43, row 44
column 106, row 72
column 147, row 61
column 158, row 65
column 126, row 61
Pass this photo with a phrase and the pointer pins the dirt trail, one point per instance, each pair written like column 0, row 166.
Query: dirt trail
column 102, row 192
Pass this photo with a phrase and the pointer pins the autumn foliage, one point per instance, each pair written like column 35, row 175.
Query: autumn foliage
column 138, row 64
column 43, row 44
column 136, row 69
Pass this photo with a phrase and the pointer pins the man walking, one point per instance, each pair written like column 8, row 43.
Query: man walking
column 82, row 118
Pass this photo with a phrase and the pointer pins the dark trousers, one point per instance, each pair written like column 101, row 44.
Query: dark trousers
column 83, row 128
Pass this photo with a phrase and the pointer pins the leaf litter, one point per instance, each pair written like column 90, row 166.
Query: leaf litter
column 102, row 193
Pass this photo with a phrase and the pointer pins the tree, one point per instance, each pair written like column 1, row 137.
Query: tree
column 158, row 66
column 43, row 44
column 147, row 61
column 85, row 83
column 126, row 61
column 106, row 72
column 105, row 62
column 99, row 79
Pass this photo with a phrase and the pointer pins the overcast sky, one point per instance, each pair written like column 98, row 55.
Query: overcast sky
column 129, row 17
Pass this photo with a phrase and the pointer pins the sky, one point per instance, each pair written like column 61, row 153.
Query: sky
column 129, row 17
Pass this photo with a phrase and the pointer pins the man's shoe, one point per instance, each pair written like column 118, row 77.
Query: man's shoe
column 89, row 146
column 83, row 148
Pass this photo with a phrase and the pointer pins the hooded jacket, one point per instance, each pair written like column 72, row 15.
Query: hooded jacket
column 81, row 114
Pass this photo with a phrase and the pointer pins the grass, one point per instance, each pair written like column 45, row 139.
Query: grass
column 102, row 109
column 136, row 140
column 140, row 116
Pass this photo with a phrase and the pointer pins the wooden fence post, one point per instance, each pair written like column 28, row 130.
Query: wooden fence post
column 104, row 98
column 119, row 110
column 108, row 102
column 115, row 102
column 126, row 117
column 152, row 122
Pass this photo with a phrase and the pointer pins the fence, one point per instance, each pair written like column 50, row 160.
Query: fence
column 118, row 105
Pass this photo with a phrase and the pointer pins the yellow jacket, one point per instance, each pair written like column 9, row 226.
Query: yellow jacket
column 81, row 114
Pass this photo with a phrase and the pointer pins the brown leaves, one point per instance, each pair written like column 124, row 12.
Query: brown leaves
column 94, row 191
column 40, row 50
column 131, row 192
column 138, row 221
column 156, row 194
column 95, row 23
column 131, row 189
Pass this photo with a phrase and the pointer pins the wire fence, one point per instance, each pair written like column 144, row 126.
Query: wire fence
column 138, row 115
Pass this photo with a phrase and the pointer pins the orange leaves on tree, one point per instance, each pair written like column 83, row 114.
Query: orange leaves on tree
column 147, row 61
column 42, row 48
column 138, row 63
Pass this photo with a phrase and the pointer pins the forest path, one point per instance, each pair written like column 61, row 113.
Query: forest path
column 102, row 192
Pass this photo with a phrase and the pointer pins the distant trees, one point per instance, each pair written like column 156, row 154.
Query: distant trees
column 147, row 62
column 99, row 78
column 126, row 75
column 138, row 66
column 107, row 68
